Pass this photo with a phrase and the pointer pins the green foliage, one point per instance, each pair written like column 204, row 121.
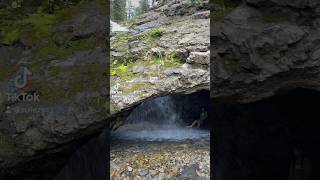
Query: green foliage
column 119, row 70
column 144, row 6
column 156, row 33
column 118, row 10
column 151, row 36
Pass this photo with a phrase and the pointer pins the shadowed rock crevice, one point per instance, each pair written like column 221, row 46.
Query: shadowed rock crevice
column 276, row 138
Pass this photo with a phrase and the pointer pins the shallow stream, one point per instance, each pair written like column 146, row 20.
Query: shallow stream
column 156, row 144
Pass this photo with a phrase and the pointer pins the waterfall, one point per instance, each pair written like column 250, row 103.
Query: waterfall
column 162, row 112
column 117, row 27
column 156, row 120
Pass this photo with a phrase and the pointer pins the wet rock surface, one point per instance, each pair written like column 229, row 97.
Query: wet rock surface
column 161, row 160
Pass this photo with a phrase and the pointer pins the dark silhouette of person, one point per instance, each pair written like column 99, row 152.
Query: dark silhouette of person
column 198, row 122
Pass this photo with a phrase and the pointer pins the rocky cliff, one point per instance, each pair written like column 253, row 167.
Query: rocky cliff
column 262, row 54
column 165, row 52
column 265, row 47
column 52, row 81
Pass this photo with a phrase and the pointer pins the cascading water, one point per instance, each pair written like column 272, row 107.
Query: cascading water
column 161, row 112
column 158, row 120
column 117, row 27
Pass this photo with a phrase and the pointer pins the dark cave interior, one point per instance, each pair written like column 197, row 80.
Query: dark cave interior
column 190, row 106
column 184, row 108
column 276, row 138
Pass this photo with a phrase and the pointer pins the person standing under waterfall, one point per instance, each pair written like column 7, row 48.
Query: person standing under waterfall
column 198, row 122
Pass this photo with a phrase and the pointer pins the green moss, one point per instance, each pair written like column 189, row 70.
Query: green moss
column 35, row 26
column 125, row 74
column 121, row 42
column 80, row 79
column 61, row 52
column 66, row 13
column 41, row 24
column 11, row 37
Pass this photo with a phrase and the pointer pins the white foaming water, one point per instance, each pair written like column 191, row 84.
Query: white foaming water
column 158, row 120
column 117, row 27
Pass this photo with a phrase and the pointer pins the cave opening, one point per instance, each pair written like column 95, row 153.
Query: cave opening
column 155, row 142
column 167, row 118
column 275, row 138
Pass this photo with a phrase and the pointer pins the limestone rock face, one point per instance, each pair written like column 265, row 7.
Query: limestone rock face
column 199, row 58
column 265, row 47
column 174, row 58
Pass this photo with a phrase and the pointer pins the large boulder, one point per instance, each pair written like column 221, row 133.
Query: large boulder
column 264, row 47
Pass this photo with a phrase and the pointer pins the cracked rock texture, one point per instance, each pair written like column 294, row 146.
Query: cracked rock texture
column 67, row 59
column 168, row 51
column 265, row 47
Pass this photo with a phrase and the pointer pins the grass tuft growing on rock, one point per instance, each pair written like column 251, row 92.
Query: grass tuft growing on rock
column 156, row 33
